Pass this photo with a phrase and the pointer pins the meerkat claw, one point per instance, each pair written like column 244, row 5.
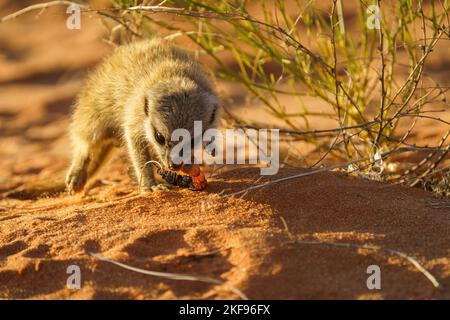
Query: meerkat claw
column 156, row 188
column 75, row 182
column 160, row 187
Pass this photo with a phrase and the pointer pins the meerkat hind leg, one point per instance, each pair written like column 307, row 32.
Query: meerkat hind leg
column 87, row 160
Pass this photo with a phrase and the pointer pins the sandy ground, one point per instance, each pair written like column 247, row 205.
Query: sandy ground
column 240, row 241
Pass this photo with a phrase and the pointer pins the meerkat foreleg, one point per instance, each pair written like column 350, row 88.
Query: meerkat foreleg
column 141, row 160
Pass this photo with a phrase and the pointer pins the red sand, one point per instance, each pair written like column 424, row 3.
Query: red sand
column 240, row 241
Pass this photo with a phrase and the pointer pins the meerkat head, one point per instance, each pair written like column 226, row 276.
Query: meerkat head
column 175, row 104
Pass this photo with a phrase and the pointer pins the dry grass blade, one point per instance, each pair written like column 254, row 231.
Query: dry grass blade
column 413, row 261
column 173, row 276
column 312, row 172
column 42, row 6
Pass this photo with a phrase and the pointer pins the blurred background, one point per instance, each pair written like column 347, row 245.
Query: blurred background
column 310, row 68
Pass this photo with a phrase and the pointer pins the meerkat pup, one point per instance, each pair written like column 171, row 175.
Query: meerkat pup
column 137, row 97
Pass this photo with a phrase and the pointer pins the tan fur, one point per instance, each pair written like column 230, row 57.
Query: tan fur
column 111, row 109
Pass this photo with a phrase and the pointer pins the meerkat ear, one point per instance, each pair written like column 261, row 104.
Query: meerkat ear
column 213, row 103
column 213, row 114
column 212, row 100
column 146, row 106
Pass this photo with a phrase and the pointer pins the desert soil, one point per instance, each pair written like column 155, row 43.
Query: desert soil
column 298, row 239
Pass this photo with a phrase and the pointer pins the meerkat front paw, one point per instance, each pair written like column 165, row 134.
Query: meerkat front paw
column 75, row 181
column 161, row 187
column 156, row 187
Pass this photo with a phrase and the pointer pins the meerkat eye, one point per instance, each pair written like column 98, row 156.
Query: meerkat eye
column 159, row 138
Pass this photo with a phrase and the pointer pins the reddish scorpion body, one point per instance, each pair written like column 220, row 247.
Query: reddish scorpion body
column 191, row 177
